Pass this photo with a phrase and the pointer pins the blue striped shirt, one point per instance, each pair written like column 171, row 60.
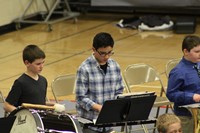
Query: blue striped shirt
column 94, row 86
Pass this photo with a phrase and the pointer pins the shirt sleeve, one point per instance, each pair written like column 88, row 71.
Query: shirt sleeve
column 81, row 90
column 120, row 86
column 175, row 89
column 14, row 94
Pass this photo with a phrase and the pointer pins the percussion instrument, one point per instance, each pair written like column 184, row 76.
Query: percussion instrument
column 57, row 107
column 43, row 121
column 194, row 109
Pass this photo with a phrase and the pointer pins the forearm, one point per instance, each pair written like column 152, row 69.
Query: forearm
column 8, row 107
column 180, row 98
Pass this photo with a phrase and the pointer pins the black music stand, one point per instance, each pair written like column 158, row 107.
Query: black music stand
column 125, row 110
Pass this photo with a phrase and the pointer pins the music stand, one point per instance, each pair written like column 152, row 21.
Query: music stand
column 125, row 110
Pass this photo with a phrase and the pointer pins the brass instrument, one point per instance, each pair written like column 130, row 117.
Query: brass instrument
column 194, row 109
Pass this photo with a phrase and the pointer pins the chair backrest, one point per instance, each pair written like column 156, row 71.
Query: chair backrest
column 137, row 74
column 63, row 85
column 2, row 99
column 170, row 65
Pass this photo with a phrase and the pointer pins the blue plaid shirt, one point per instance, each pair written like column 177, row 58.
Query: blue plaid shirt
column 94, row 86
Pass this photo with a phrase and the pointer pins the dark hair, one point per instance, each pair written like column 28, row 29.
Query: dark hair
column 32, row 52
column 190, row 42
column 103, row 39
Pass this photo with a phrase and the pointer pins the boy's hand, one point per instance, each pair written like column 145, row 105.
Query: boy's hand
column 196, row 97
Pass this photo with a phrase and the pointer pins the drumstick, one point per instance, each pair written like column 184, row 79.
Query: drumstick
column 56, row 107
column 38, row 106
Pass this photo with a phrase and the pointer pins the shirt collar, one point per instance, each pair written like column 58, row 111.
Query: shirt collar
column 95, row 62
column 189, row 62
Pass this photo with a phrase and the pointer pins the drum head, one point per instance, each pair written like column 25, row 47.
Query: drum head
column 27, row 121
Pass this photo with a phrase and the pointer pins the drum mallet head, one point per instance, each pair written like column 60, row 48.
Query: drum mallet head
column 59, row 107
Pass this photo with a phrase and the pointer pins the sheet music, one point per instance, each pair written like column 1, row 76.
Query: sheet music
column 94, row 121
column 84, row 121
column 58, row 131
column 195, row 105
column 135, row 94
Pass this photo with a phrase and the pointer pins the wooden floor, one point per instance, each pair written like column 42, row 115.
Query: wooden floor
column 70, row 43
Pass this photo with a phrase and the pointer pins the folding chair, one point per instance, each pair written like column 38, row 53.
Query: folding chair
column 170, row 65
column 144, row 75
column 2, row 100
column 63, row 85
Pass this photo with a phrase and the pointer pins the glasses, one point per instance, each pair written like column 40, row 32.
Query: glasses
column 103, row 54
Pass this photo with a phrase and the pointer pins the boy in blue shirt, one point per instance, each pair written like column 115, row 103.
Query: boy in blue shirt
column 184, row 82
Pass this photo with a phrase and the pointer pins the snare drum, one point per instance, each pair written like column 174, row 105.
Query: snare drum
column 43, row 121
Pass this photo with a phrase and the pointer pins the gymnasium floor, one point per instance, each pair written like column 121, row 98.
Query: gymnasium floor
column 70, row 43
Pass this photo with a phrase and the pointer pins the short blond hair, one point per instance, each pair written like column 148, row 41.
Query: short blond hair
column 165, row 120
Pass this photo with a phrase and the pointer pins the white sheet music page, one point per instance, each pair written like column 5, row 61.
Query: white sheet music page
column 58, row 131
column 132, row 94
column 83, row 120
column 94, row 121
